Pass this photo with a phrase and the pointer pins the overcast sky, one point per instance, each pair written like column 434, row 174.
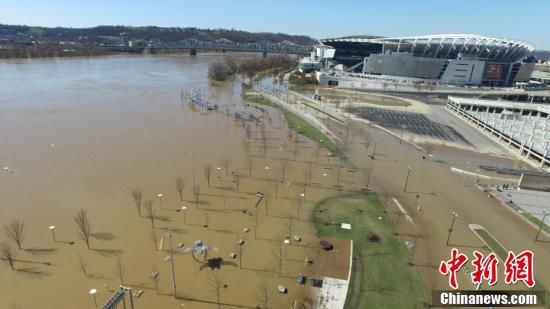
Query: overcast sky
column 523, row 20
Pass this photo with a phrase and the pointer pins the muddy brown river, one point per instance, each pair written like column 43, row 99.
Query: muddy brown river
column 83, row 133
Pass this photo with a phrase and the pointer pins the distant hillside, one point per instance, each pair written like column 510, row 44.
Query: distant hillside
column 154, row 33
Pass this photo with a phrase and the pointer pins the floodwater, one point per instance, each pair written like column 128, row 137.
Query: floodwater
column 83, row 133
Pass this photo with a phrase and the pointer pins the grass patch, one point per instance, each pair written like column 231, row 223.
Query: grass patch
column 297, row 123
column 381, row 275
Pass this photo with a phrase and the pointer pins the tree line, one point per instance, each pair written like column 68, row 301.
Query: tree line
column 222, row 70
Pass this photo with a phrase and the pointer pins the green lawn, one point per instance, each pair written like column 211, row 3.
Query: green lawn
column 297, row 123
column 382, row 276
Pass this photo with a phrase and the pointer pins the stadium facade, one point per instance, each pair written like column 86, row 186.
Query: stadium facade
column 448, row 59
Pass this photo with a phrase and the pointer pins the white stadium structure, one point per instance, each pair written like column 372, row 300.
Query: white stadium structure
column 447, row 59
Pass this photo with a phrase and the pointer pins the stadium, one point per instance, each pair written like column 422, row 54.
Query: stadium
column 449, row 59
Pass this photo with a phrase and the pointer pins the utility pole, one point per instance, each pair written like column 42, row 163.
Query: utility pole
column 454, row 217
column 541, row 227
column 409, row 169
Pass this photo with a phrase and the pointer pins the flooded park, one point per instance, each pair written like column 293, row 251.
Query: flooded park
column 216, row 206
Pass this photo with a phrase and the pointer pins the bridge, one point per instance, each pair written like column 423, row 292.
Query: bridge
column 193, row 45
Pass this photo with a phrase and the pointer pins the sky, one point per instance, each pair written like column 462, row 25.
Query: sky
column 522, row 20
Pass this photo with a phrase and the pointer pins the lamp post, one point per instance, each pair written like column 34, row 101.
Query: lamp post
column 416, row 204
column 184, row 208
column 93, row 292
column 302, row 197
column 454, row 217
column 465, row 175
column 374, row 149
column 170, row 259
column 544, row 214
column 160, row 199
column 409, row 169
column 52, row 228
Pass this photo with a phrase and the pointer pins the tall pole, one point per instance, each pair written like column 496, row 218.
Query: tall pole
column 52, row 228
column 374, row 149
column 193, row 158
column 171, row 257
column 92, row 292
column 409, row 169
column 416, row 204
column 455, row 216
column 544, row 214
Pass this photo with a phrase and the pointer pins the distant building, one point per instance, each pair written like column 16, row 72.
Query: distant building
column 124, row 39
column 449, row 59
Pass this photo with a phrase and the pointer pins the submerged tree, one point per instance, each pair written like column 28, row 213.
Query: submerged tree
column 15, row 231
column 8, row 253
column 84, row 227
column 264, row 294
column 216, row 285
column 207, row 172
column 180, row 185
column 136, row 195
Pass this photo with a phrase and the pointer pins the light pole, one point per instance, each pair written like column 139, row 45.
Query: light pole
column 160, row 200
column 302, row 197
column 409, row 169
column 93, row 292
column 417, row 205
column 454, row 217
column 184, row 208
column 52, row 228
column 544, row 214
column 464, row 172
column 374, row 149
column 170, row 259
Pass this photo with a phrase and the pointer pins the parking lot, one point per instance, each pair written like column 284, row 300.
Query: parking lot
column 414, row 123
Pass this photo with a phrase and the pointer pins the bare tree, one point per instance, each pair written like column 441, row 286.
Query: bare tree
column 154, row 237
column 83, row 264
column 264, row 294
column 180, row 185
column 225, row 163
column 121, row 271
column 150, row 212
column 216, row 285
column 8, row 253
column 207, row 173
column 15, row 231
column 136, row 195
column 365, row 177
column 197, row 193
column 84, row 227
column 237, row 181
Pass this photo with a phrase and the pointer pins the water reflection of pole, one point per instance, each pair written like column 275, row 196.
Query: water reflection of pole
column 193, row 163
column 416, row 204
column 409, row 169
column 544, row 214
column 455, row 216
column 374, row 149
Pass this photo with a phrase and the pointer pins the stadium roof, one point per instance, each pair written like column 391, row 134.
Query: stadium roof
column 443, row 45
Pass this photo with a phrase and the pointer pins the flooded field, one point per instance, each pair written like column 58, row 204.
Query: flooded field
column 83, row 133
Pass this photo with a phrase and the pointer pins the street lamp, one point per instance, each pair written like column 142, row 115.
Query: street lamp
column 170, row 259
column 454, row 217
column 160, row 199
column 544, row 214
column 52, row 228
column 409, row 169
column 184, row 208
column 302, row 197
column 374, row 149
column 93, row 292
column 464, row 172
column 401, row 137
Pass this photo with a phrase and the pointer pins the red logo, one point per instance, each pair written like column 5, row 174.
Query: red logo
column 452, row 266
column 520, row 268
